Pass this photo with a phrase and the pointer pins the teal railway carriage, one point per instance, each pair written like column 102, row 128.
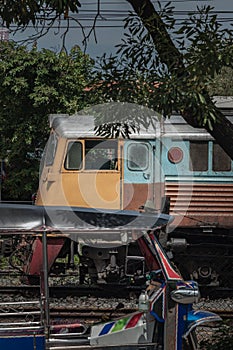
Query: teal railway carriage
column 171, row 167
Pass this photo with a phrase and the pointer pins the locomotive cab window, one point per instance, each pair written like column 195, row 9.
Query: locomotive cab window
column 51, row 149
column 138, row 156
column 74, row 157
column 101, row 155
column 198, row 156
column 208, row 156
column 221, row 161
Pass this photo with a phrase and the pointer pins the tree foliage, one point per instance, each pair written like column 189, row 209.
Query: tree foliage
column 178, row 75
column 186, row 59
column 138, row 73
column 34, row 84
column 25, row 12
column 223, row 83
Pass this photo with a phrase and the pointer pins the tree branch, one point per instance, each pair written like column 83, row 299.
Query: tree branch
column 222, row 129
column 165, row 47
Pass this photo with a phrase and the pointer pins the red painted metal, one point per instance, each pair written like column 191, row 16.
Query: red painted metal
column 34, row 265
column 151, row 263
column 136, row 195
column 200, row 204
column 156, row 258
column 166, row 265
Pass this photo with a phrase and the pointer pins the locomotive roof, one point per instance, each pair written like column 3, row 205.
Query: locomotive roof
column 82, row 126
column 77, row 126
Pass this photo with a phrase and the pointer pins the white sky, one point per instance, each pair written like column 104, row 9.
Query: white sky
column 108, row 37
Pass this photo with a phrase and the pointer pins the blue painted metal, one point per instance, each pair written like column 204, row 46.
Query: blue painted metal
column 172, row 169
column 144, row 175
column 159, row 166
column 30, row 342
column 183, row 168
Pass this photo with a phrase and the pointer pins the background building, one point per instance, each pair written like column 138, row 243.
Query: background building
column 4, row 34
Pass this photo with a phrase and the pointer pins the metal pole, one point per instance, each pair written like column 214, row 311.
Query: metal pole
column 171, row 341
column 46, row 283
column 72, row 254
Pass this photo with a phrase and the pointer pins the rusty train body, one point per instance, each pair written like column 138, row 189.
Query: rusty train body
column 170, row 167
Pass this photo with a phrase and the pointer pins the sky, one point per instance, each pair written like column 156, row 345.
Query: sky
column 109, row 26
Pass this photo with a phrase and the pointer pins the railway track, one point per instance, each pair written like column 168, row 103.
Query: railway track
column 101, row 290
column 225, row 314
column 71, row 317
column 11, row 281
column 61, row 314
column 97, row 308
column 217, row 300
column 107, row 313
column 107, row 291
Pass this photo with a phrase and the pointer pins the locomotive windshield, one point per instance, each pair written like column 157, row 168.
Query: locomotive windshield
column 99, row 155
column 74, row 156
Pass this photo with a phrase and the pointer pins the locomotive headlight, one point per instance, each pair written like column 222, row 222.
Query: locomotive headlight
column 175, row 155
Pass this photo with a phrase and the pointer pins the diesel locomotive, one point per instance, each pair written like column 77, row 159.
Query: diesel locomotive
column 168, row 167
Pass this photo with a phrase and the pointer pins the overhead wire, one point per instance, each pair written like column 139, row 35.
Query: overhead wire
column 108, row 18
column 119, row 15
column 123, row 2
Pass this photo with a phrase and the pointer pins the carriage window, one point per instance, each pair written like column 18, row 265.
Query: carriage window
column 221, row 161
column 198, row 156
column 101, row 155
column 74, row 157
column 138, row 156
column 51, row 149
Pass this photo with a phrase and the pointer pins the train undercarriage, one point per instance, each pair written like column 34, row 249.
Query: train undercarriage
column 203, row 255
column 209, row 261
column 122, row 264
